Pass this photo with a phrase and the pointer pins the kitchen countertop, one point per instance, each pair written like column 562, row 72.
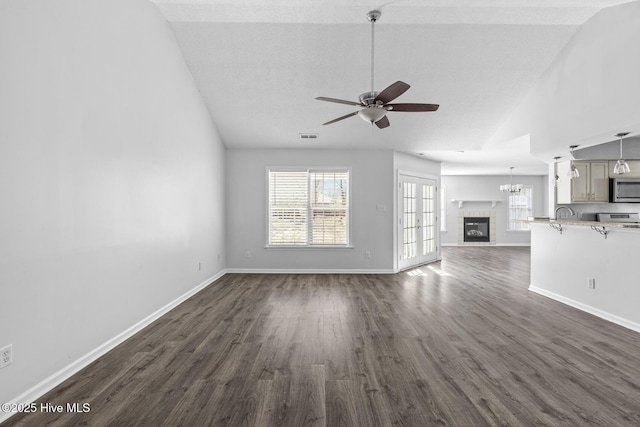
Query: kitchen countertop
column 569, row 221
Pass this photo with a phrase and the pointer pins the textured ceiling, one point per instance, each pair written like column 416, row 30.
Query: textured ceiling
column 260, row 64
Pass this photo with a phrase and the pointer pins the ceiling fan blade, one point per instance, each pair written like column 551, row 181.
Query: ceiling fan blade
column 339, row 101
column 412, row 107
column 392, row 92
column 383, row 123
column 346, row 116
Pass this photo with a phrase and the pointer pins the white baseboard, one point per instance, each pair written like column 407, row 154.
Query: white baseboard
column 484, row 246
column 587, row 308
column 32, row 394
column 306, row 271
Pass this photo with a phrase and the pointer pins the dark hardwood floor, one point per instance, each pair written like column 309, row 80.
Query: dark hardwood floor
column 458, row 342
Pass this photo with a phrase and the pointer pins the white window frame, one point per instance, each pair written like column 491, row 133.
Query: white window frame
column 520, row 226
column 309, row 208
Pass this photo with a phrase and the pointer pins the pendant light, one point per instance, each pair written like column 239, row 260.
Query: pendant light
column 511, row 188
column 621, row 166
column 573, row 171
column 556, row 178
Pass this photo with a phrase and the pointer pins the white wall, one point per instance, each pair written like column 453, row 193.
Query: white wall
column 480, row 187
column 411, row 163
column 372, row 230
column 111, row 177
column 590, row 92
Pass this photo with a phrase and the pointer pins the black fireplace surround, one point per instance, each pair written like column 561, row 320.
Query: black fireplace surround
column 476, row 229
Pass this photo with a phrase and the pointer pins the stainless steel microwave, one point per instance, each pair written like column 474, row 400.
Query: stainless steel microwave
column 624, row 190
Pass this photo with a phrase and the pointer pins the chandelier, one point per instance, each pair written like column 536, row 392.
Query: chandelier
column 511, row 187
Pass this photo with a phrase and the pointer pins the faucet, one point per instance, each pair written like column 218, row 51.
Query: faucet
column 571, row 211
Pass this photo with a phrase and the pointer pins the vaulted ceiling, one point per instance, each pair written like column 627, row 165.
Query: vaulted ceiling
column 259, row 65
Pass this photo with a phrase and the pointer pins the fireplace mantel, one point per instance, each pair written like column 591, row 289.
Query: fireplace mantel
column 461, row 202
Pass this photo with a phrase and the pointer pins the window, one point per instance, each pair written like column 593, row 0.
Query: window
column 308, row 208
column 520, row 206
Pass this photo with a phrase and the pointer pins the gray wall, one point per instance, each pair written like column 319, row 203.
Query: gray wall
column 589, row 211
column 372, row 230
column 488, row 188
column 111, row 176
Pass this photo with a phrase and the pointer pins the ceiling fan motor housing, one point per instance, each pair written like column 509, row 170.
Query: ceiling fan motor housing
column 368, row 98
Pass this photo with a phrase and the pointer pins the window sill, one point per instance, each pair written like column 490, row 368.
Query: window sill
column 307, row 247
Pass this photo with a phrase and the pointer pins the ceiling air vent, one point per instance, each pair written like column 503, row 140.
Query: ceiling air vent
column 307, row 136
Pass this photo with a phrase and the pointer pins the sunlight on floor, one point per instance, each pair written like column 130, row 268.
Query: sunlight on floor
column 418, row 272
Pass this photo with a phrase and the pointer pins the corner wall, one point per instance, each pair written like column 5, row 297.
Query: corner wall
column 111, row 176
column 411, row 164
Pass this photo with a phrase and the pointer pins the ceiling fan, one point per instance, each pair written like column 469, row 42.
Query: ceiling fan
column 375, row 105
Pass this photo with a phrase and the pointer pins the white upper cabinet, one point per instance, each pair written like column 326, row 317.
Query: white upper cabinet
column 592, row 186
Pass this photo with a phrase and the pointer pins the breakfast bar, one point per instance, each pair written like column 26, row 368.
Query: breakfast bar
column 590, row 265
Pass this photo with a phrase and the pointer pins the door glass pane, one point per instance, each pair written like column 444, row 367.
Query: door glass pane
column 428, row 219
column 410, row 243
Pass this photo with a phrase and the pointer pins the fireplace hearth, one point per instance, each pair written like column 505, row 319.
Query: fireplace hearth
column 476, row 229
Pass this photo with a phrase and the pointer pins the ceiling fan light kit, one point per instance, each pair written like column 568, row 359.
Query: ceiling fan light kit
column 375, row 105
column 372, row 114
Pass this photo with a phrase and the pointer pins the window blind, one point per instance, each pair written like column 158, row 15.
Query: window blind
column 308, row 207
column 288, row 193
column 520, row 206
column 329, row 204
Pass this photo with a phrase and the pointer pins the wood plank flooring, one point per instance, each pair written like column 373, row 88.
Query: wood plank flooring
column 460, row 342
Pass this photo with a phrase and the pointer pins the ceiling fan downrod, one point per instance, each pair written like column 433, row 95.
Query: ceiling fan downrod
column 373, row 16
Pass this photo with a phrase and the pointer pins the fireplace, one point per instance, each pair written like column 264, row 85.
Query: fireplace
column 476, row 229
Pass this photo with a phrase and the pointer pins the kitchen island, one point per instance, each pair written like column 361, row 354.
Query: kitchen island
column 590, row 265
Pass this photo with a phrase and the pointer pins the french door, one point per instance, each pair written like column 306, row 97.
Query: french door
column 417, row 228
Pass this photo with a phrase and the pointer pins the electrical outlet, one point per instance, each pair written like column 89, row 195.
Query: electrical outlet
column 592, row 283
column 247, row 254
column 199, row 266
column 367, row 255
column 6, row 356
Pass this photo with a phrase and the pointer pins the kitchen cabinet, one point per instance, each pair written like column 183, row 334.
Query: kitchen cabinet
column 592, row 186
